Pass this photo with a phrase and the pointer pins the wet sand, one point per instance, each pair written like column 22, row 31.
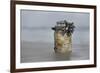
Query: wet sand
column 43, row 52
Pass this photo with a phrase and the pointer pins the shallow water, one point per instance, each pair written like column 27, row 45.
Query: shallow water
column 38, row 46
column 41, row 52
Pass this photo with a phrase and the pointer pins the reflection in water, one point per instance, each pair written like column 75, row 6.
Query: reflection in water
column 44, row 52
column 62, row 57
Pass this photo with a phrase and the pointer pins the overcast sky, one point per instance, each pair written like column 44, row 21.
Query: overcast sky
column 48, row 18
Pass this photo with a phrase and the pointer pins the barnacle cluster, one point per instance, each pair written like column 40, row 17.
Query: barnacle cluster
column 64, row 26
column 62, row 36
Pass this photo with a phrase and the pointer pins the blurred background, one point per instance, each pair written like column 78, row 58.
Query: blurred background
column 37, row 37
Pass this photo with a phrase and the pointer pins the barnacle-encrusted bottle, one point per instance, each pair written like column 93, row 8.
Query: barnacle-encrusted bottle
column 63, row 37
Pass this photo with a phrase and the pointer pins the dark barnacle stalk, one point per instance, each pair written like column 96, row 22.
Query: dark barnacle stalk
column 70, row 28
